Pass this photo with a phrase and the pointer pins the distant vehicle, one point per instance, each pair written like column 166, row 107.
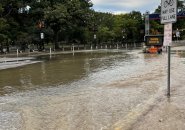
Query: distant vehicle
column 153, row 44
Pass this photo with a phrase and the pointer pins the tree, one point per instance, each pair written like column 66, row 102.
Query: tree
column 69, row 18
column 79, row 12
column 3, row 33
column 180, row 25
column 129, row 26
column 56, row 18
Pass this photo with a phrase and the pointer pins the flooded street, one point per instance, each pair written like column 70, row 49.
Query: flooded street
column 93, row 90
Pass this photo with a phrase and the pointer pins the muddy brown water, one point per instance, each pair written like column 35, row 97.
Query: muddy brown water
column 86, row 91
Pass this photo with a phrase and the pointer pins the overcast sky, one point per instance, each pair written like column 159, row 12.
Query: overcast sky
column 125, row 6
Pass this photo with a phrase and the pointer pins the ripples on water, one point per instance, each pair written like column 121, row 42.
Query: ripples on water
column 59, row 70
column 89, row 90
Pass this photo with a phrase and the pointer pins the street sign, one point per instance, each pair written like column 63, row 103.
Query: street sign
column 42, row 35
column 168, row 11
column 167, row 34
column 168, row 16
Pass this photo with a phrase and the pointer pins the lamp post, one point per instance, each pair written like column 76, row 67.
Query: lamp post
column 124, row 37
column 94, row 34
column 94, row 39
column 123, row 34
column 41, row 26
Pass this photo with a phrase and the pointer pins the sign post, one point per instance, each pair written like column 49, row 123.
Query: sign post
column 168, row 16
column 168, row 42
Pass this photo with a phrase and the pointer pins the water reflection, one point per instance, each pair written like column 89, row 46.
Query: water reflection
column 58, row 70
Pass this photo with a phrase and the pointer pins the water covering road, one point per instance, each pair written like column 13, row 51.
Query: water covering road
column 96, row 90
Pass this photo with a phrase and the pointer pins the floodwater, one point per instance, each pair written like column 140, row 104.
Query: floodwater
column 93, row 90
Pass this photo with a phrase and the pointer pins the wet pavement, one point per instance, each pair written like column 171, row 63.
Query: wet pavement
column 168, row 113
column 110, row 90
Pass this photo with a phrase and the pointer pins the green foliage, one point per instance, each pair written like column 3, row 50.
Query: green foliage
column 3, row 37
column 3, row 25
column 56, row 17
column 105, row 34
column 71, row 21
column 1, row 10
column 156, row 26
column 3, row 29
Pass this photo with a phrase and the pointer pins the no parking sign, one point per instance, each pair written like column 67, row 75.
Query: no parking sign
column 167, row 34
